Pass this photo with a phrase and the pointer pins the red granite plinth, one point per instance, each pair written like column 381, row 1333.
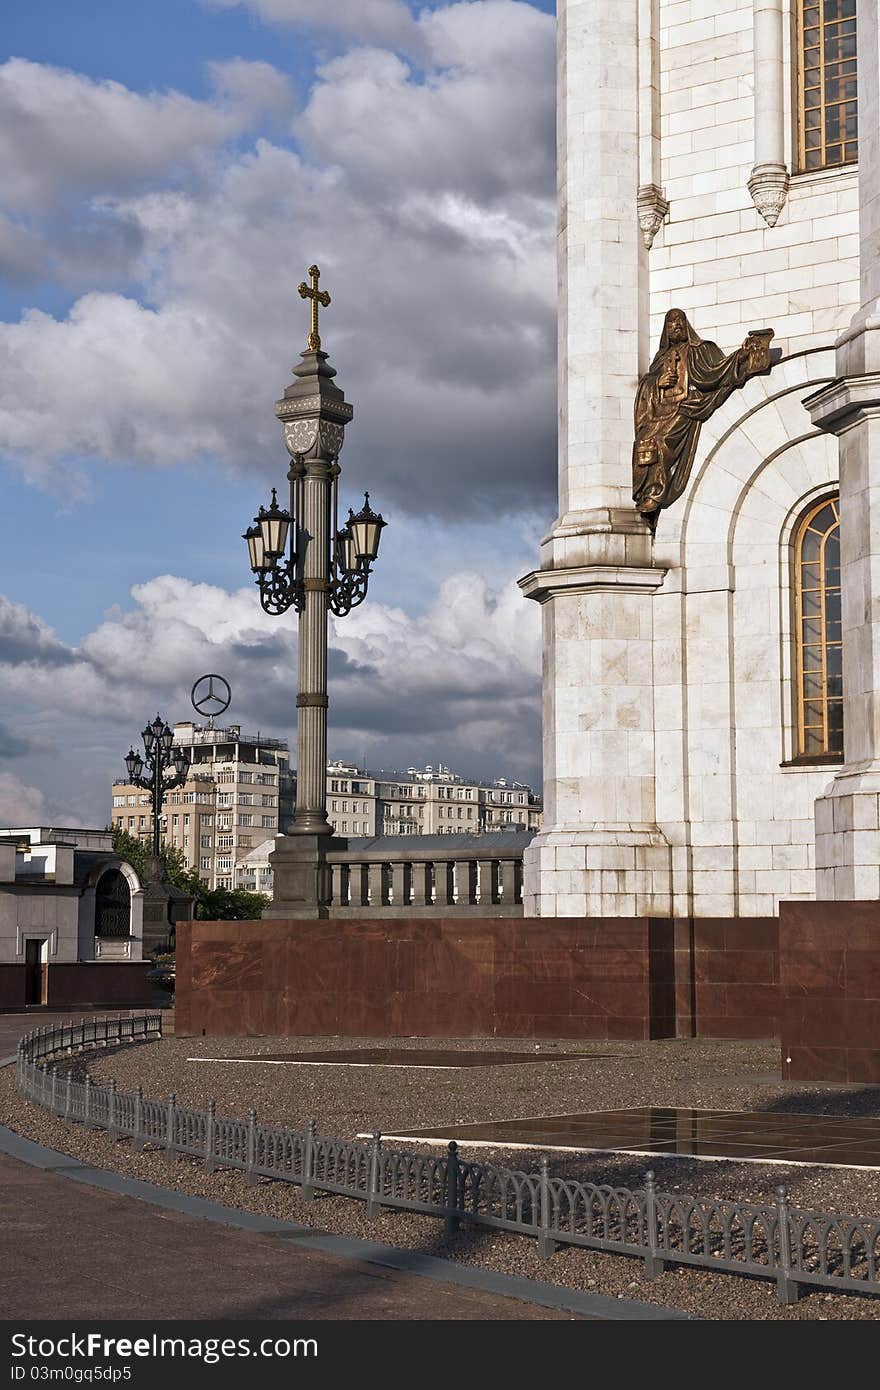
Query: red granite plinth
column 111, row 984
column 508, row 977
column 829, row 962
column 71, row 984
column 13, row 986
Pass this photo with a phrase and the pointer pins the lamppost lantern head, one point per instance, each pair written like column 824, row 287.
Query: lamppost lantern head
column 346, row 554
column 149, row 739
column 134, row 764
column 274, row 523
column 166, row 738
column 256, row 551
column 365, row 527
column 181, row 764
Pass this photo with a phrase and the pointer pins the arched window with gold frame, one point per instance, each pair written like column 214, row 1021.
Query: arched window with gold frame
column 828, row 117
column 818, row 636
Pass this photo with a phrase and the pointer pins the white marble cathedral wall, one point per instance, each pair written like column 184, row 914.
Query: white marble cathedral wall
column 739, row 821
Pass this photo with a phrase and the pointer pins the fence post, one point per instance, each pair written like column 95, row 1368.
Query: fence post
column 54, row 1089
column 250, row 1176
column 546, row 1243
column 169, row 1128
column 137, row 1138
column 209, row 1136
column 451, row 1222
column 373, row 1175
column 787, row 1289
column 67, row 1097
column 653, row 1264
column 111, row 1109
column 87, row 1101
column 308, row 1183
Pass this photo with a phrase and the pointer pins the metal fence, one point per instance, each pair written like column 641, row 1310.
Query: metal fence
column 776, row 1241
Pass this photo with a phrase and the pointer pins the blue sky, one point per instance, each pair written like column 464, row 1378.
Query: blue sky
column 169, row 171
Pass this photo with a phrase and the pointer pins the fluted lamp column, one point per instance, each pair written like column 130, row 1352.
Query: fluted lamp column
column 303, row 560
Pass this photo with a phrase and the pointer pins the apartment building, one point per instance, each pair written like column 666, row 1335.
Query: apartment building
column 239, row 793
column 421, row 801
column 426, row 801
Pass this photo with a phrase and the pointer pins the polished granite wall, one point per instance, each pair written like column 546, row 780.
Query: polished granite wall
column 512, row 977
column 829, row 963
column 509, row 977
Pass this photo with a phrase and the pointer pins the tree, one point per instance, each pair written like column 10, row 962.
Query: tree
column 136, row 852
column 229, row 905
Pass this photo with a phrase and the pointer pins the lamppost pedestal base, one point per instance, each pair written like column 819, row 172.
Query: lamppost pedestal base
column 301, row 875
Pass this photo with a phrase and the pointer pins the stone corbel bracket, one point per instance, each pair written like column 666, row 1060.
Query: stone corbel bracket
column 768, row 186
column 653, row 211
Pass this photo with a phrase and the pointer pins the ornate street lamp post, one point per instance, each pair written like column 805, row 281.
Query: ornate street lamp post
column 304, row 560
column 161, row 758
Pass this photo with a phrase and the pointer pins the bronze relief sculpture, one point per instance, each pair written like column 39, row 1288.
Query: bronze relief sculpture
column 687, row 381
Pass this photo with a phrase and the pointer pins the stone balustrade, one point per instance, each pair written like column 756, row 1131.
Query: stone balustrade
column 399, row 876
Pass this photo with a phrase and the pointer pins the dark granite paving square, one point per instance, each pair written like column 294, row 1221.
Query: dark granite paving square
column 424, row 1057
column 825, row 1139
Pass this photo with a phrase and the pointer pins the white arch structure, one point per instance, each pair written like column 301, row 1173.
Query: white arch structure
column 86, row 949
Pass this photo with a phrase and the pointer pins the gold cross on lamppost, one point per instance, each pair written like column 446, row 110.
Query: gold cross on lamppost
column 317, row 297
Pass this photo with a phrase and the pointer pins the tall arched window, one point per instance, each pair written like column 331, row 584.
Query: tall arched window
column 818, row 632
column 828, row 122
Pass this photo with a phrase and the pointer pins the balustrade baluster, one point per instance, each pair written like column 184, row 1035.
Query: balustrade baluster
column 399, row 876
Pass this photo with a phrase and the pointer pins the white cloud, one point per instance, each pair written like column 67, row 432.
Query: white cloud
column 436, row 241
column 20, row 804
column 62, row 133
column 378, row 21
column 458, row 683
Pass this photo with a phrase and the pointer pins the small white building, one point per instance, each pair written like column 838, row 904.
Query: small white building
column 68, row 901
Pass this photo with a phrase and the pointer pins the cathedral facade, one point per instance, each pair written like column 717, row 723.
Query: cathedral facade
column 708, row 704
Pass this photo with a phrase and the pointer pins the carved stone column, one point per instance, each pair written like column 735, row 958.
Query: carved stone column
column 652, row 205
column 848, row 816
column 768, row 183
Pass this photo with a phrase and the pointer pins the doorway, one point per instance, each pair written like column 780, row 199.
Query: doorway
column 36, row 971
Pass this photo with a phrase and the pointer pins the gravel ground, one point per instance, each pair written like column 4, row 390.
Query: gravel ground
column 728, row 1076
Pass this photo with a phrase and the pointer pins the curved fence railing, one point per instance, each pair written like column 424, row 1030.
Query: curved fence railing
column 776, row 1241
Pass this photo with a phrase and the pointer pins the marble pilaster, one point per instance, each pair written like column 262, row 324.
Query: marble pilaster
column 600, row 852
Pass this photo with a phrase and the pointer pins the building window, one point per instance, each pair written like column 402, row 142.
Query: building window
column 828, row 116
column 818, row 632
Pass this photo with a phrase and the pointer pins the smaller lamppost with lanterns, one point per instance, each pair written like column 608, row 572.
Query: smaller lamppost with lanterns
column 152, row 771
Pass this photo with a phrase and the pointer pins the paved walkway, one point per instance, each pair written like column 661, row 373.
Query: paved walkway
column 68, row 1251
column 76, row 1241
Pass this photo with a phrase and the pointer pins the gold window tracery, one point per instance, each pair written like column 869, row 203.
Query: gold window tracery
column 828, row 108
column 818, row 636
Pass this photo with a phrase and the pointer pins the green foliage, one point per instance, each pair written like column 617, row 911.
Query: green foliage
column 212, row 904
column 229, row 905
column 137, row 851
